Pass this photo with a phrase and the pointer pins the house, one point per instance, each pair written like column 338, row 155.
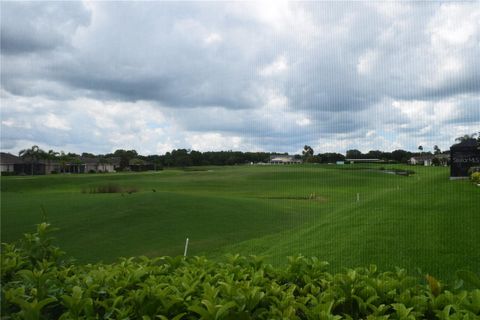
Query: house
column 90, row 165
column 12, row 164
column 99, row 164
column 424, row 160
column 137, row 164
column 284, row 159
column 463, row 156
column 8, row 162
column 443, row 159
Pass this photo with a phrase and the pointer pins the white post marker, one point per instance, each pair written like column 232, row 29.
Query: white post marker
column 358, row 197
column 186, row 248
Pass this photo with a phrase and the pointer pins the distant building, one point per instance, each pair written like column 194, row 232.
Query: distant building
column 284, row 159
column 442, row 159
column 8, row 162
column 98, row 164
column 463, row 156
column 424, row 160
column 364, row 160
column 137, row 164
column 12, row 164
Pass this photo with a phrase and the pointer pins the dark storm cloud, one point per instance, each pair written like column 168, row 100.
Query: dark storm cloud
column 36, row 26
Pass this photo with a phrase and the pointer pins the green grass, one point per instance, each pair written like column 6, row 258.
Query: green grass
column 423, row 221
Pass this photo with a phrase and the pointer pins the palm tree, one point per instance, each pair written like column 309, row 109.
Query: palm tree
column 50, row 156
column 64, row 159
column 32, row 155
column 466, row 137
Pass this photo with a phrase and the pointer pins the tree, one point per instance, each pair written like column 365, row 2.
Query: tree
column 307, row 152
column 400, row 155
column 64, row 160
column 375, row 154
column 32, row 155
column 330, row 157
column 88, row 155
column 467, row 137
column 436, row 150
column 354, row 154
column 125, row 157
column 420, row 148
column 51, row 155
column 181, row 158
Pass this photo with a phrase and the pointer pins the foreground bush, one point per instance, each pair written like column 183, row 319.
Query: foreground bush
column 475, row 177
column 37, row 283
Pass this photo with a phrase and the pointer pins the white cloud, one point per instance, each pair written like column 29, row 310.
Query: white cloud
column 276, row 67
column 366, row 62
column 214, row 142
column 9, row 123
column 302, row 122
column 213, row 38
column 55, row 122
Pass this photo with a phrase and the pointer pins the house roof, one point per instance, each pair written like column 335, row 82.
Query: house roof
column 442, row 156
column 90, row 160
column 8, row 158
column 283, row 157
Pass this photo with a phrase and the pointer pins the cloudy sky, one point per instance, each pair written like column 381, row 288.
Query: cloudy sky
column 269, row 76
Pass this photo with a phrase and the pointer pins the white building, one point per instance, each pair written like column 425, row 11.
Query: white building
column 284, row 159
column 425, row 160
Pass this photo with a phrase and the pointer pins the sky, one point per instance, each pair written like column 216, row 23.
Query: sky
column 251, row 76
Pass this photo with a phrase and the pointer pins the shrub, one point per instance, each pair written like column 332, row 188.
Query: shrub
column 37, row 283
column 7, row 173
column 475, row 177
column 110, row 188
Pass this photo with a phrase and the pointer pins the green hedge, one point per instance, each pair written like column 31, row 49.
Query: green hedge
column 38, row 283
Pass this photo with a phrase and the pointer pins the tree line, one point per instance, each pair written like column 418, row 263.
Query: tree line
column 187, row 158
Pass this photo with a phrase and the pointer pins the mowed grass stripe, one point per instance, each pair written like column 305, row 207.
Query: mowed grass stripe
column 105, row 226
column 423, row 221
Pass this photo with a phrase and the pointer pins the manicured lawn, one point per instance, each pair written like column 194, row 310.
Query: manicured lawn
column 423, row 221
